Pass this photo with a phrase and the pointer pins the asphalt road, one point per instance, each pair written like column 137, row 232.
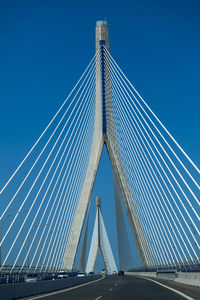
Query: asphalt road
column 114, row 288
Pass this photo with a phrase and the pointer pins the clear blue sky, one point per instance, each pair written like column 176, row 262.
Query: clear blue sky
column 46, row 45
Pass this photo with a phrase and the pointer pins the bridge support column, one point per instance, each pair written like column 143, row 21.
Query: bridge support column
column 104, row 133
column 100, row 241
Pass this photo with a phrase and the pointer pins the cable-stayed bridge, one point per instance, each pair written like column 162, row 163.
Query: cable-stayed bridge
column 46, row 202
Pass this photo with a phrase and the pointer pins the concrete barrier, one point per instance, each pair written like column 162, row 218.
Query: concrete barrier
column 192, row 279
column 20, row 290
column 188, row 278
column 146, row 274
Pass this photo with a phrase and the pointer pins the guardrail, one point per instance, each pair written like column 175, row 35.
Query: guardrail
column 16, row 277
column 187, row 267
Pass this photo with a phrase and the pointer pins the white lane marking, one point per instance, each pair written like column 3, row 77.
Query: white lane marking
column 110, row 290
column 98, row 298
column 65, row 290
column 169, row 288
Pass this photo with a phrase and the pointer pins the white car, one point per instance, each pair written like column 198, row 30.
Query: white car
column 81, row 274
column 62, row 275
column 31, row 277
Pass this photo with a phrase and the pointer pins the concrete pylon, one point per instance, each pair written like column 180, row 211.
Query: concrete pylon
column 104, row 134
column 100, row 241
column 96, row 150
column 124, row 249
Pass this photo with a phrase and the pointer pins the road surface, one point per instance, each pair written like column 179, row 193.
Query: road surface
column 114, row 288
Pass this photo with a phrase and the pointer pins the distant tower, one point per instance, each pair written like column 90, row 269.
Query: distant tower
column 100, row 241
column 104, row 133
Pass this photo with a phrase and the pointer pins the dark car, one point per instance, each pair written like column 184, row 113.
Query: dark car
column 121, row 272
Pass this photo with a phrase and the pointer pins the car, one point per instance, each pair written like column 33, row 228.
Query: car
column 121, row 272
column 62, row 275
column 81, row 274
column 103, row 272
column 91, row 274
column 32, row 277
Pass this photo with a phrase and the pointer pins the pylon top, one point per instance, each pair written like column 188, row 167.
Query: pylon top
column 101, row 23
column 98, row 202
column 102, row 34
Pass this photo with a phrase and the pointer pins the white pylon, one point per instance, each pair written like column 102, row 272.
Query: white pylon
column 100, row 137
column 100, row 241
